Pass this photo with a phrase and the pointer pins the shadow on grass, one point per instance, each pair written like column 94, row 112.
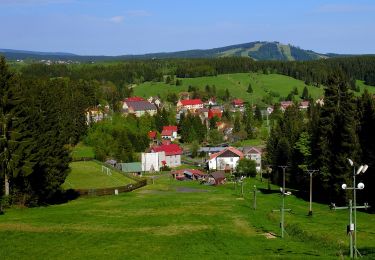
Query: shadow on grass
column 63, row 196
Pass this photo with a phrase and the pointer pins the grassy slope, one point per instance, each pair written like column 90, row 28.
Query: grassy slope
column 160, row 222
column 89, row 175
column 236, row 83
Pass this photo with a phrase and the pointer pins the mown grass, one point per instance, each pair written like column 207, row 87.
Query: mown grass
column 179, row 220
column 89, row 175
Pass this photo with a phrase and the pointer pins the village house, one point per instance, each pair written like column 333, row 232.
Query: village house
column 153, row 137
column 303, row 105
column 169, row 132
column 156, row 101
column 94, row 115
column 216, row 178
column 285, row 104
column 189, row 104
column 226, row 159
column 210, row 102
column 254, row 154
column 237, row 103
column 170, row 154
column 151, row 162
column 215, row 112
column 188, row 174
column 138, row 106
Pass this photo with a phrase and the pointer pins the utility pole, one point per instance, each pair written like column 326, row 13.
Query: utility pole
column 310, row 172
column 282, row 209
column 255, row 197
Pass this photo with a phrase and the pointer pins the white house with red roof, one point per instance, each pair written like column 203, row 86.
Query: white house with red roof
column 169, row 132
column 189, row 104
column 226, row 159
column 254, row 154
column 169, row 154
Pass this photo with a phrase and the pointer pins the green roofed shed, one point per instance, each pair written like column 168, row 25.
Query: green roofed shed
column 134, row 167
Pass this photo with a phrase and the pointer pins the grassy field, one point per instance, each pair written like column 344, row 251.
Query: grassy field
column 89, row 175
column 263, row 85
column 180, row 220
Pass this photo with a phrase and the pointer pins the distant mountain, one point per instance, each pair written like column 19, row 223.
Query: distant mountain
column 255, row 50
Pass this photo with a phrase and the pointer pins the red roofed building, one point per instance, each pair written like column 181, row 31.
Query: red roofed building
column 169, row 132
column 134, row 99
column 237, row 102
column 152, row 135
column 226, row 159
column 214, row 112
column 189, row 104
column 170, row 153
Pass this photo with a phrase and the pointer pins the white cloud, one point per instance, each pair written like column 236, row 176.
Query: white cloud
column 117, row 19
column 344, row 8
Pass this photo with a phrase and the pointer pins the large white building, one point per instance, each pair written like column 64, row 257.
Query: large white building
column 226, row 159
column 163, row 155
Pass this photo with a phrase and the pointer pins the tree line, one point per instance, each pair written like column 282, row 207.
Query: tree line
column 40, row 119
column 323, row 138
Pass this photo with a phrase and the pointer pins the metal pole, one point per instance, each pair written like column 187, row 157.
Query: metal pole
column 255, row 197
column 242, row 188
column 283, row 205
column 310, row 209
column 355, row 215
column 350, row 228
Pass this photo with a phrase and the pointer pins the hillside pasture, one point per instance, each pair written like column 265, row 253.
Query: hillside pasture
column 181, row 220
column 276, row 85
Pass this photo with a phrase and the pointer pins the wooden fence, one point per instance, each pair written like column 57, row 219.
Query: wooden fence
column 111, row 191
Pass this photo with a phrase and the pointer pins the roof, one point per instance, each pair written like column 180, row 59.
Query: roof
column 172, row 128
column 134, row 99
column 166, row 132
column 218, row 175
column 214, row 112
column 191, row 102
column 252, row 150
column 131, row 167
column 231, row 149
column 237, row 101
column 286, row 104
column 152, row 134
column 192, row 171
column 211, row 149
column 169, row 149
column 141, row 105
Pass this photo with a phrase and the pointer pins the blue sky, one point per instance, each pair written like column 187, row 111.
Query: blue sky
column 108, row 27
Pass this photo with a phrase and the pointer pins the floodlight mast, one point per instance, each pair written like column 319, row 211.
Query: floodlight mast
column 361, row 169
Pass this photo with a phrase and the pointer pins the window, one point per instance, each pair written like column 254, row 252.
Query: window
column 231, row 159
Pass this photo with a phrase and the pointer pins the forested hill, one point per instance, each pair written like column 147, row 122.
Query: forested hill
column 255, row 50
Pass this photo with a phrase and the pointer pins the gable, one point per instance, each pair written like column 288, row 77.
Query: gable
column 228, row 153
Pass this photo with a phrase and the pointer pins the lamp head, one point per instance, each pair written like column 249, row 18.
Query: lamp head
column 343, row 186
column 365, row 167
column 351, row 162
column 361, row 186
column 360, row 169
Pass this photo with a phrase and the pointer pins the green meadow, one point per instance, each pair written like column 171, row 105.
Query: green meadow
column 181, row 220
column 275, row 85
column 89, row 175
